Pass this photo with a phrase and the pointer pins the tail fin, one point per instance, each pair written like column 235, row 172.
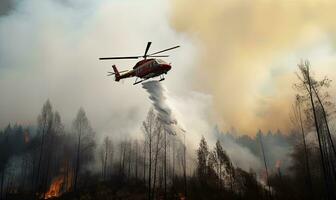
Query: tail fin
column 116, row 72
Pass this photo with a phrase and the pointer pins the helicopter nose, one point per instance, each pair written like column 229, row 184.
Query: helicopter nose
column 166, row 67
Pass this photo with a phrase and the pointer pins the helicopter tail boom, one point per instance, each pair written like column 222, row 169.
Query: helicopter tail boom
column 116, row 72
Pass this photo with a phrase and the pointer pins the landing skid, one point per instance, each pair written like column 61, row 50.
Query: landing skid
column 162, row 78
column 137, row 82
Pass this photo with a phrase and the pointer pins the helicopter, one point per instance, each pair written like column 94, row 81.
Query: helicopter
column 149, row 67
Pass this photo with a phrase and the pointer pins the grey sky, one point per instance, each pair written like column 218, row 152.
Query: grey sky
column 50, row 50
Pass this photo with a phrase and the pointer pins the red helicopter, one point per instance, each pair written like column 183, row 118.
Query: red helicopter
column 144, row 69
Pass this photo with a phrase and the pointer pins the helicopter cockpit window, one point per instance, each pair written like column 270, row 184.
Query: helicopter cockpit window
column 154, row 63
column 160, row 61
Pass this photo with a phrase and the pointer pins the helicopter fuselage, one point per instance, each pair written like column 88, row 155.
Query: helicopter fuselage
column 145, row 69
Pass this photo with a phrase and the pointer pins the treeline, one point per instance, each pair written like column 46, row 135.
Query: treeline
column 312, row 172
column 155, row 164
column 31, row 160
column 217, row 178
column 50, row 162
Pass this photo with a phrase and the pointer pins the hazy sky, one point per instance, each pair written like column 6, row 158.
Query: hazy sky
column 249, row 51
column 235, row 66
column 50, row 50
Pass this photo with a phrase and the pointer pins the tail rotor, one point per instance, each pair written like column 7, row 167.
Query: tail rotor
column 116, row 73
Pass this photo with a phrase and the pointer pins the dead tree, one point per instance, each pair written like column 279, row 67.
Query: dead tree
column 136, row 159
column 265, row 163
column 105, row 154
column 297, row 120
column 144, row 160
column 185, row 165
column 45, row 121
column 158, row 135
column 111, row 154
column 85, row 142
column 148, row 129
column 309, row 87
column 106, row 144
column 165, row 164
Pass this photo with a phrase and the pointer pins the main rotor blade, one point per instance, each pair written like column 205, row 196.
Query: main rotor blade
column 129, row 57
column 164, row 50
column 147, row 48
column 158, row 56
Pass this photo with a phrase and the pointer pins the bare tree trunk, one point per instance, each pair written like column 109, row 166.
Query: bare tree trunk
column 40, row 159
column 155, row 162
column 111, row 163
column 129, row 159
column 220, row 175
column 317, row 130
column 33, row 171
column 23, row 173
column 7, row 187
column 2, row 182
column 264, row 157
column 173, row 173
column 105, row 161
column 66, row 175
column 49, row 158
column 136, row 160
column 150, row 166
column 310, row 185
column 120, row 157
column 123, row 157
column 77, row 162
column 144, row 163
column 185, row 168
column 165, row 164
column 325, row 120
column 231, row 181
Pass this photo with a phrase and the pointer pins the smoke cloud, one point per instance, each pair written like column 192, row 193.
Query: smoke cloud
column 241, row 156
column 249, row 51
column 50, row 50
column 156, row 94
column 194, row 109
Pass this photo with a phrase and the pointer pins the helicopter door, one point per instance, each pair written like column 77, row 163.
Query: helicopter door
column 137, row 71
column 153, row 64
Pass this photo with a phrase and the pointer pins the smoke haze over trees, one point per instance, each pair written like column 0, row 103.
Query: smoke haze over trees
column 227, row 123
column 50, row 161
column 51, row 48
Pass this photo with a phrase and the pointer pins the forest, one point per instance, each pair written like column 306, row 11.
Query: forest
column 49, row 161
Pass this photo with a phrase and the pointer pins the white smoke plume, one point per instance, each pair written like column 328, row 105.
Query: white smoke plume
column 165, row 114
column 50, row 49
column 158, row 94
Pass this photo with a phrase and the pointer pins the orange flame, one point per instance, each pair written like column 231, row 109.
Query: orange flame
column 55, row 189
column 61, row 183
